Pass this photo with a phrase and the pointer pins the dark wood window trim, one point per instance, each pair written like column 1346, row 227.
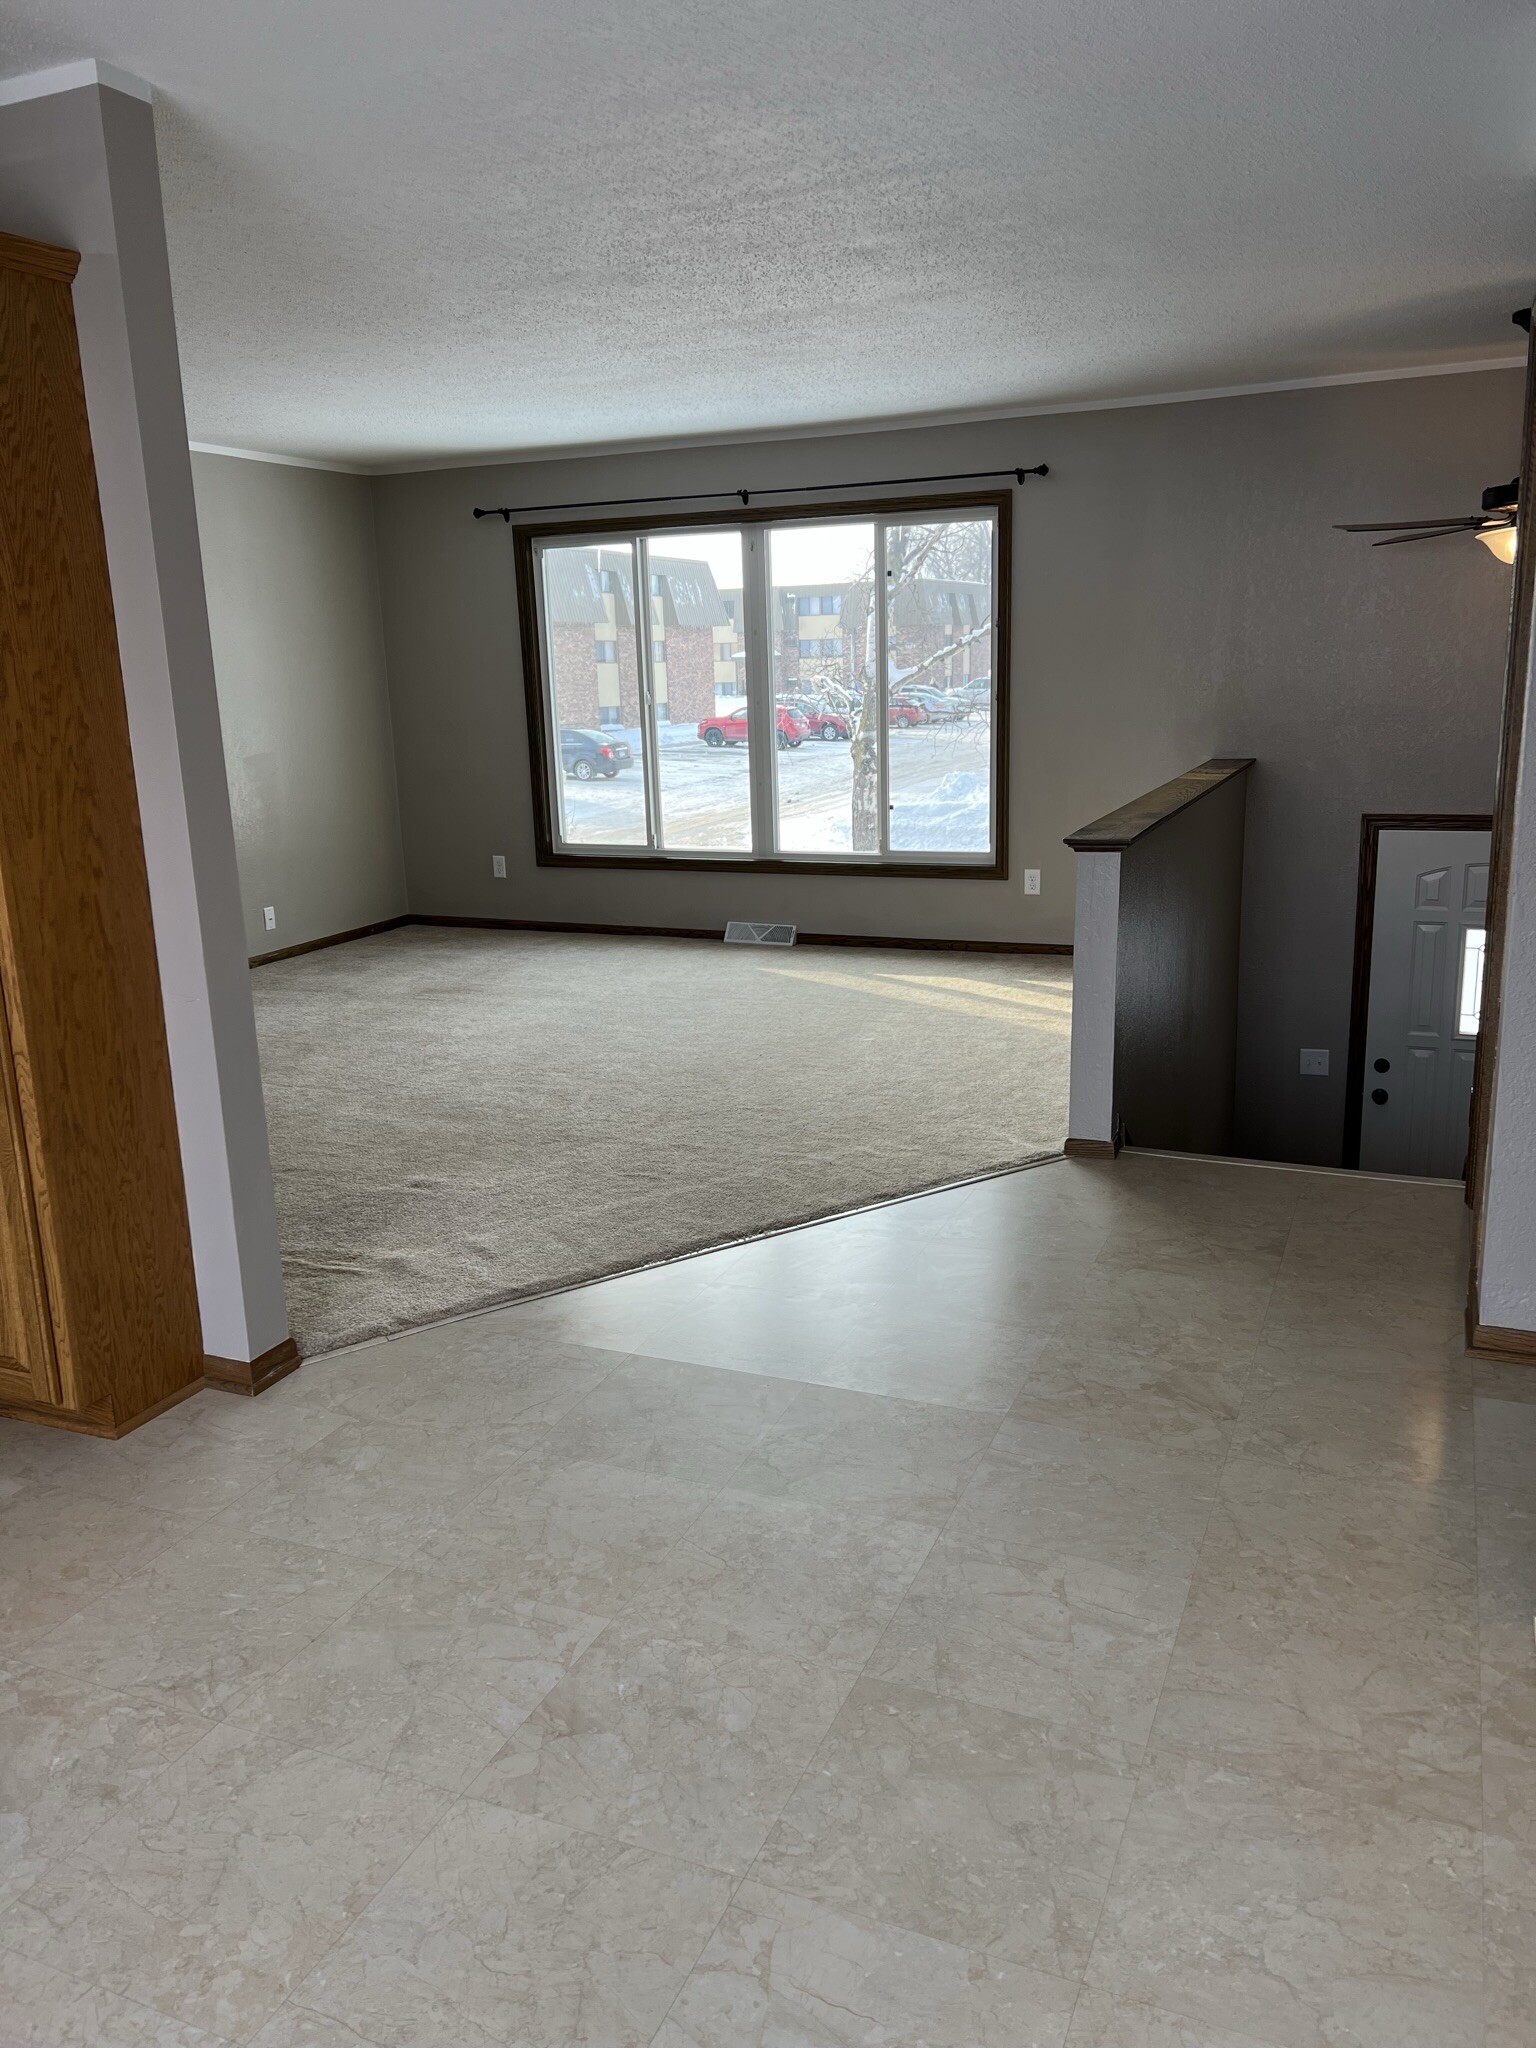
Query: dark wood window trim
column 1372, row 825
column 551, row 855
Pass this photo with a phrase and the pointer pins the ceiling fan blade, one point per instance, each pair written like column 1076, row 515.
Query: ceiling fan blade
column 1441, row 533
column 1403, row 525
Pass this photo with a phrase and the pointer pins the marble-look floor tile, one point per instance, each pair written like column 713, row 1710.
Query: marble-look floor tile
column 1348, row 1424
column 784, row 1579
column 956, row 1821
column 866, row 1453
column 923, row 1362
column 1103, row 2022
column 588, row 1537
column 1122, row 1521
column 1330, row 1199
column 1506, row 1528
column 1506, row 1446
column 59, row 1550
column 1200, row 1322
column 782, row 1973
column 172, row 1464
column 1093, row 1377
column 221, row 1883
column 1323, row 1904
column 505, row 1929
column 484, row 1381
column 670, row 1418
column 1495, row 1380
column 205, row 1617
column 1509, row 1851
column 70, row 1755
column 1355, row 1304
column 1017, row 1633
column 279, row 1424
column 1197, row 1235
column 1024, row 1214
column 379, row 1490
column 425, row 1674
column 293, row 2027
column 679, row 1747
column 1332, row 1615
column 372, row 1383
column 43, row 2008
column 634, row 1312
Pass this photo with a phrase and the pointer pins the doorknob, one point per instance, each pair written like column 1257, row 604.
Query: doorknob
column 1378, row 1095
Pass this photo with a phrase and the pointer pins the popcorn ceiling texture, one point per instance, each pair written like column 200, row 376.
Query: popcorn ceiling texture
column 401, row 232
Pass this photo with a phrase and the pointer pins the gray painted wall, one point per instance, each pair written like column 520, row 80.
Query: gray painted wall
column 298, row 651
column 1178, row 593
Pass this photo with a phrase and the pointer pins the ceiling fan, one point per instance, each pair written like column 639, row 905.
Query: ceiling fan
column 1494, row 526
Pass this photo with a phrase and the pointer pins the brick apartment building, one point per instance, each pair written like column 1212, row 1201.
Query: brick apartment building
column 589, row 600
column 821, row 636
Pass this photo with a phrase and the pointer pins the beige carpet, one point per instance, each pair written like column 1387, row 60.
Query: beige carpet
column 461, row 1117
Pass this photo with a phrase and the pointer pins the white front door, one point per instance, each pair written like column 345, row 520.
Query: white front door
column 1425, row 1001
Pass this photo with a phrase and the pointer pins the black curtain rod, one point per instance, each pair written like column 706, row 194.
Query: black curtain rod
column 963, row 476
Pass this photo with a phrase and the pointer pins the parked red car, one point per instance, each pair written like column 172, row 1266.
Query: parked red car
column 903, row 710
column 729, row 728
column 828, row 724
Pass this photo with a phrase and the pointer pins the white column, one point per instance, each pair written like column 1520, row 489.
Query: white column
column 1507, row 1280
column 1095, row 956
column 78, row 168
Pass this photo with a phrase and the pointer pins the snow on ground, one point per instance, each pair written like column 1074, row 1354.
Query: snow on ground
column 940, row 779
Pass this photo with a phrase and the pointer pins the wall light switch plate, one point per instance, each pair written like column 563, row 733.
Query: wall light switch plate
column 499, row 866
column 1314, row 1059
column 1031, row 881
column 269, row 917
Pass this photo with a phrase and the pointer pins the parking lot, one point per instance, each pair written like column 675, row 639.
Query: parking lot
column 940, row 779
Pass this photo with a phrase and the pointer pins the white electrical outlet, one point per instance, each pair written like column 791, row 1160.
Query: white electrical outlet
column 269, row 917
column 499, row 866
column 1031, row 881
column 1314, row 1059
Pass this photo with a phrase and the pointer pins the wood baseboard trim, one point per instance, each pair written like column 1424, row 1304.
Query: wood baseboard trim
column 362, row 931
column 1091, row 1148
column 1511, row 1347
column 237, row 1376
column 96, row 1420
column 715, row 933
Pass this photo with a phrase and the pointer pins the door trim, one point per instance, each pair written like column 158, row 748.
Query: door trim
column 1372, row 825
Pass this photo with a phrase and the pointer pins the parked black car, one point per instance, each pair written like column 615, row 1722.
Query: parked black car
column 585, row 754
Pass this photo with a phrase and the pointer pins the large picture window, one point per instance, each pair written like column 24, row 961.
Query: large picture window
column 824, row 689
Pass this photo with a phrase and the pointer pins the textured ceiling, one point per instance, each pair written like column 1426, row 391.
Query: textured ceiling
column 402, row 230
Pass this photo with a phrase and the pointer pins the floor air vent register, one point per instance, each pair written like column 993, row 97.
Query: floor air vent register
column 738, row 933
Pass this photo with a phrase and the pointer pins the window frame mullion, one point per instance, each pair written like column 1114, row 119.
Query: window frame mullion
column 650, row 742
column 882, row 690
column 757, row 682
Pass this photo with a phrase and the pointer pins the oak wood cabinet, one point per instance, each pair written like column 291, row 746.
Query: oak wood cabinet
column 99, row 1324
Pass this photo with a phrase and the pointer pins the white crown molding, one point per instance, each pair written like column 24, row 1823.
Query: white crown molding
column 507, row 458
column 913, row 422
column 38, row 85
column 283, row 461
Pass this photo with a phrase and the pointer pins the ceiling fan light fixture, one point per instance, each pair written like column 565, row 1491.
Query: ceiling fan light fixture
column 1499, row 541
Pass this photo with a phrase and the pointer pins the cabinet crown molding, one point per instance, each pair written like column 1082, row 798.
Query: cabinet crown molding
column 38, row 259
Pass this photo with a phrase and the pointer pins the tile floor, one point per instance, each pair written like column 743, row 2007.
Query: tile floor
column 1086, row 1609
